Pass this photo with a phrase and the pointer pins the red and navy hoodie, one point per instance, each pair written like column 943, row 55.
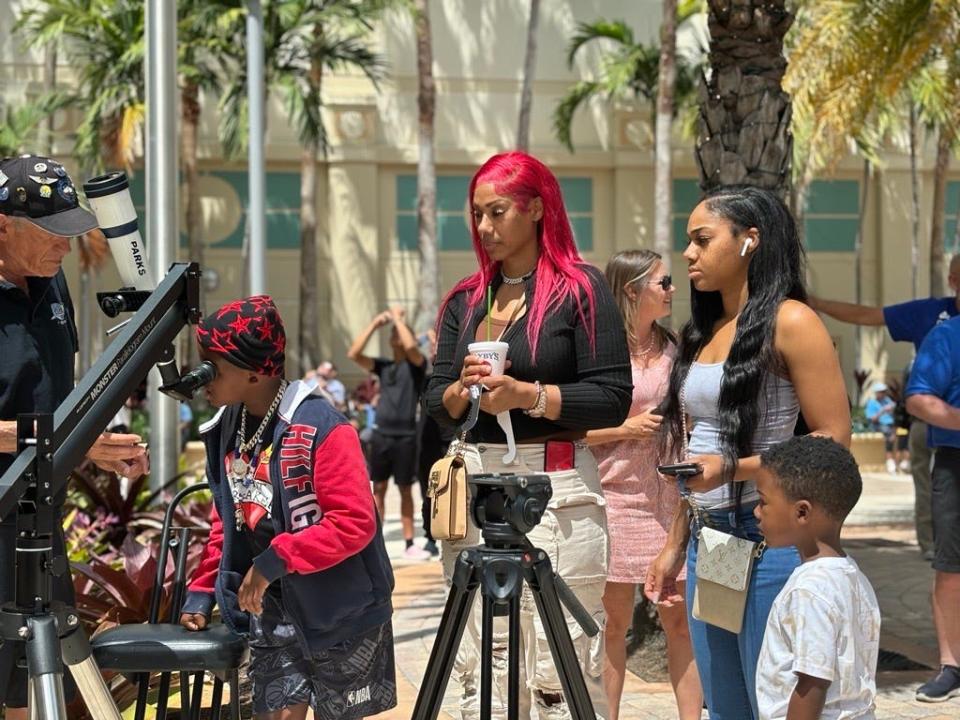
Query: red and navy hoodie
column 327, row 552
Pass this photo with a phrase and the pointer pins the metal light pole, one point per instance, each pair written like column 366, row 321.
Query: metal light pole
column 256, row 210
column 162, row 192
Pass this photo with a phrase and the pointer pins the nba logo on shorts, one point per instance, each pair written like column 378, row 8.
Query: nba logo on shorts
column 361, row 695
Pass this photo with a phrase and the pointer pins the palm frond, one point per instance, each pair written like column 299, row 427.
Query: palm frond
column 565, row 109
column 616, row 30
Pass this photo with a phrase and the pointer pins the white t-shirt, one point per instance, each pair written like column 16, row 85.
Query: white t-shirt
column 824, row 623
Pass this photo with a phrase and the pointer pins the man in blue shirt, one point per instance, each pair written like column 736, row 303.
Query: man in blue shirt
column 933, row 395
column 907, row 322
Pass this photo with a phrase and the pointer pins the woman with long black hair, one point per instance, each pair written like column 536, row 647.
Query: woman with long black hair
column 751, row 358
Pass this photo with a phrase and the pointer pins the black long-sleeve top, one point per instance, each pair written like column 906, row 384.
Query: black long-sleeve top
column 595, row 379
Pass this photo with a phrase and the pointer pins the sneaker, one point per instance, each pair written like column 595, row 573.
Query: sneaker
column 944, row 686
column 905, row 466
column 891, row 466
column 431, row 547
column 415, row 553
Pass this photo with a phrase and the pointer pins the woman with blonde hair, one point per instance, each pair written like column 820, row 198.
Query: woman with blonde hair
column 640, row 507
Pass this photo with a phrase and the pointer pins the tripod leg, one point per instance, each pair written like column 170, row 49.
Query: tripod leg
column 45, row 669
column 78, row 655
column 540, row 579
column 513, row 660
column 486, row 658
column 449, row 633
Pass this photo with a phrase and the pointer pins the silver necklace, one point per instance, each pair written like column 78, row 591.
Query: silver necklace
column 642, row 355
column 239, row 466
column 507, row 280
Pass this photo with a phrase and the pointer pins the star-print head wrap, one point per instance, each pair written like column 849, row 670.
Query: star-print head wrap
column 248, row 333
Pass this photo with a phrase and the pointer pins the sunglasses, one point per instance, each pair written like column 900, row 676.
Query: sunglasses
column 665, row 282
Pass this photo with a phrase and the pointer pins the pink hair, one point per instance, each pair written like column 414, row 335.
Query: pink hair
column 559, row 268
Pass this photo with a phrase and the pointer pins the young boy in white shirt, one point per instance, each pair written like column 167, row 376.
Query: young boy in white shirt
column 819, row 654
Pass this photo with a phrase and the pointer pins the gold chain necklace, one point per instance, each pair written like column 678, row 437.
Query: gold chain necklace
column 239, row 466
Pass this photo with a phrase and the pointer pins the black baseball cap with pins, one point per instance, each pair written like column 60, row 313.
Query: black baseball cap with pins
column 40, row 190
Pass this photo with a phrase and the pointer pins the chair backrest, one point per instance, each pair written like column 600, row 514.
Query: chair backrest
column 180, row 567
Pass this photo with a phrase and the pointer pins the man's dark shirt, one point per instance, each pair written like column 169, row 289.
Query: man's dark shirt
column 38, row 341
column 400, row 386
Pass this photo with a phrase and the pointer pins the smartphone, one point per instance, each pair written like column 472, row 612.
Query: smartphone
column 558, row 455
column 680, row 469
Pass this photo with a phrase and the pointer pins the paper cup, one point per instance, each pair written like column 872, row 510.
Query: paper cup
column 493, row 352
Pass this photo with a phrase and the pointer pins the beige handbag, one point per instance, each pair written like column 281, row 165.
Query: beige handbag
column 724, row 564
column 447, row 489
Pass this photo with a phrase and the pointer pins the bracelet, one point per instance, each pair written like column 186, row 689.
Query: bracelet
column 539, row 407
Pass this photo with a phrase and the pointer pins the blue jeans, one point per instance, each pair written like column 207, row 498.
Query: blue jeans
column 727, row 663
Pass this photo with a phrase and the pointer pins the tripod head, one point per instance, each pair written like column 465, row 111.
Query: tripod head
column 506, row 506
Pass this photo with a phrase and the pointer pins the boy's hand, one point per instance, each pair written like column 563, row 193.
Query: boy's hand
column 193, row 621
column 251, row 592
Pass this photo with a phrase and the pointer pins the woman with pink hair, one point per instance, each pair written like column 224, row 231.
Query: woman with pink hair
column 568, row 372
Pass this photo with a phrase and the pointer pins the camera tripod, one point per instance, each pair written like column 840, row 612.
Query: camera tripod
column 499, row 568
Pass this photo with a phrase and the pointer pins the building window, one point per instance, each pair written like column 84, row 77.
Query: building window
column 686, row 195
column 228, row 190
column 833, row 216
column 453, row 233
column 951, row 212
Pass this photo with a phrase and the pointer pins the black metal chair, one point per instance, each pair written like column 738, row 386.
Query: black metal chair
column 167, row 647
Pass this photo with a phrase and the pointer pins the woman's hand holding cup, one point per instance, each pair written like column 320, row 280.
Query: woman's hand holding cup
column 505, row 393
column 475, row 369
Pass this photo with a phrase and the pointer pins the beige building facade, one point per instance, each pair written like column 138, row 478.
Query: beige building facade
column 367, row 190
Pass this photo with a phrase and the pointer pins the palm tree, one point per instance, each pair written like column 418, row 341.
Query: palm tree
column 429, row 297
column 303, row 40
column 663, row 135
column 744, row 127
column 859, row 70
column 529, row 69
column 22, row 127
column 104, row 42
column 204, row 55
column 629, row 70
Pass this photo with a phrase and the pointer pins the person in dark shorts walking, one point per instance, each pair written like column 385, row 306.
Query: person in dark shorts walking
column 933, row 395
column 393, row 443
column 295, row 558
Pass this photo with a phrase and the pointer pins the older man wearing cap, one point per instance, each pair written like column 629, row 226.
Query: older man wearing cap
column 39, row 213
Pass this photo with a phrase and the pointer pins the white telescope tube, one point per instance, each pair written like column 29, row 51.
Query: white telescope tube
column 109, row 198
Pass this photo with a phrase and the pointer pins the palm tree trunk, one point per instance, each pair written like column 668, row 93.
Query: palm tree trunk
column 190, row 121
column 49, row 85
column 744, row 127
column 914, row 203
column 940, row 170
column 858, row 264
column 308, row 349
column 529, row 69
column 663, row 165
column 308, row 356
column 428, row 302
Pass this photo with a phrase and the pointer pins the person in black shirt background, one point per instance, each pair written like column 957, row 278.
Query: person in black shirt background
column 393, row 443
column 39, row 213
column 568, row 372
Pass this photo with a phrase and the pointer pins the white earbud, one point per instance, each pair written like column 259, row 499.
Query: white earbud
column 746, row 246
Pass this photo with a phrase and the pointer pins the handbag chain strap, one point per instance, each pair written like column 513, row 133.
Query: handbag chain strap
column 699, row 517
